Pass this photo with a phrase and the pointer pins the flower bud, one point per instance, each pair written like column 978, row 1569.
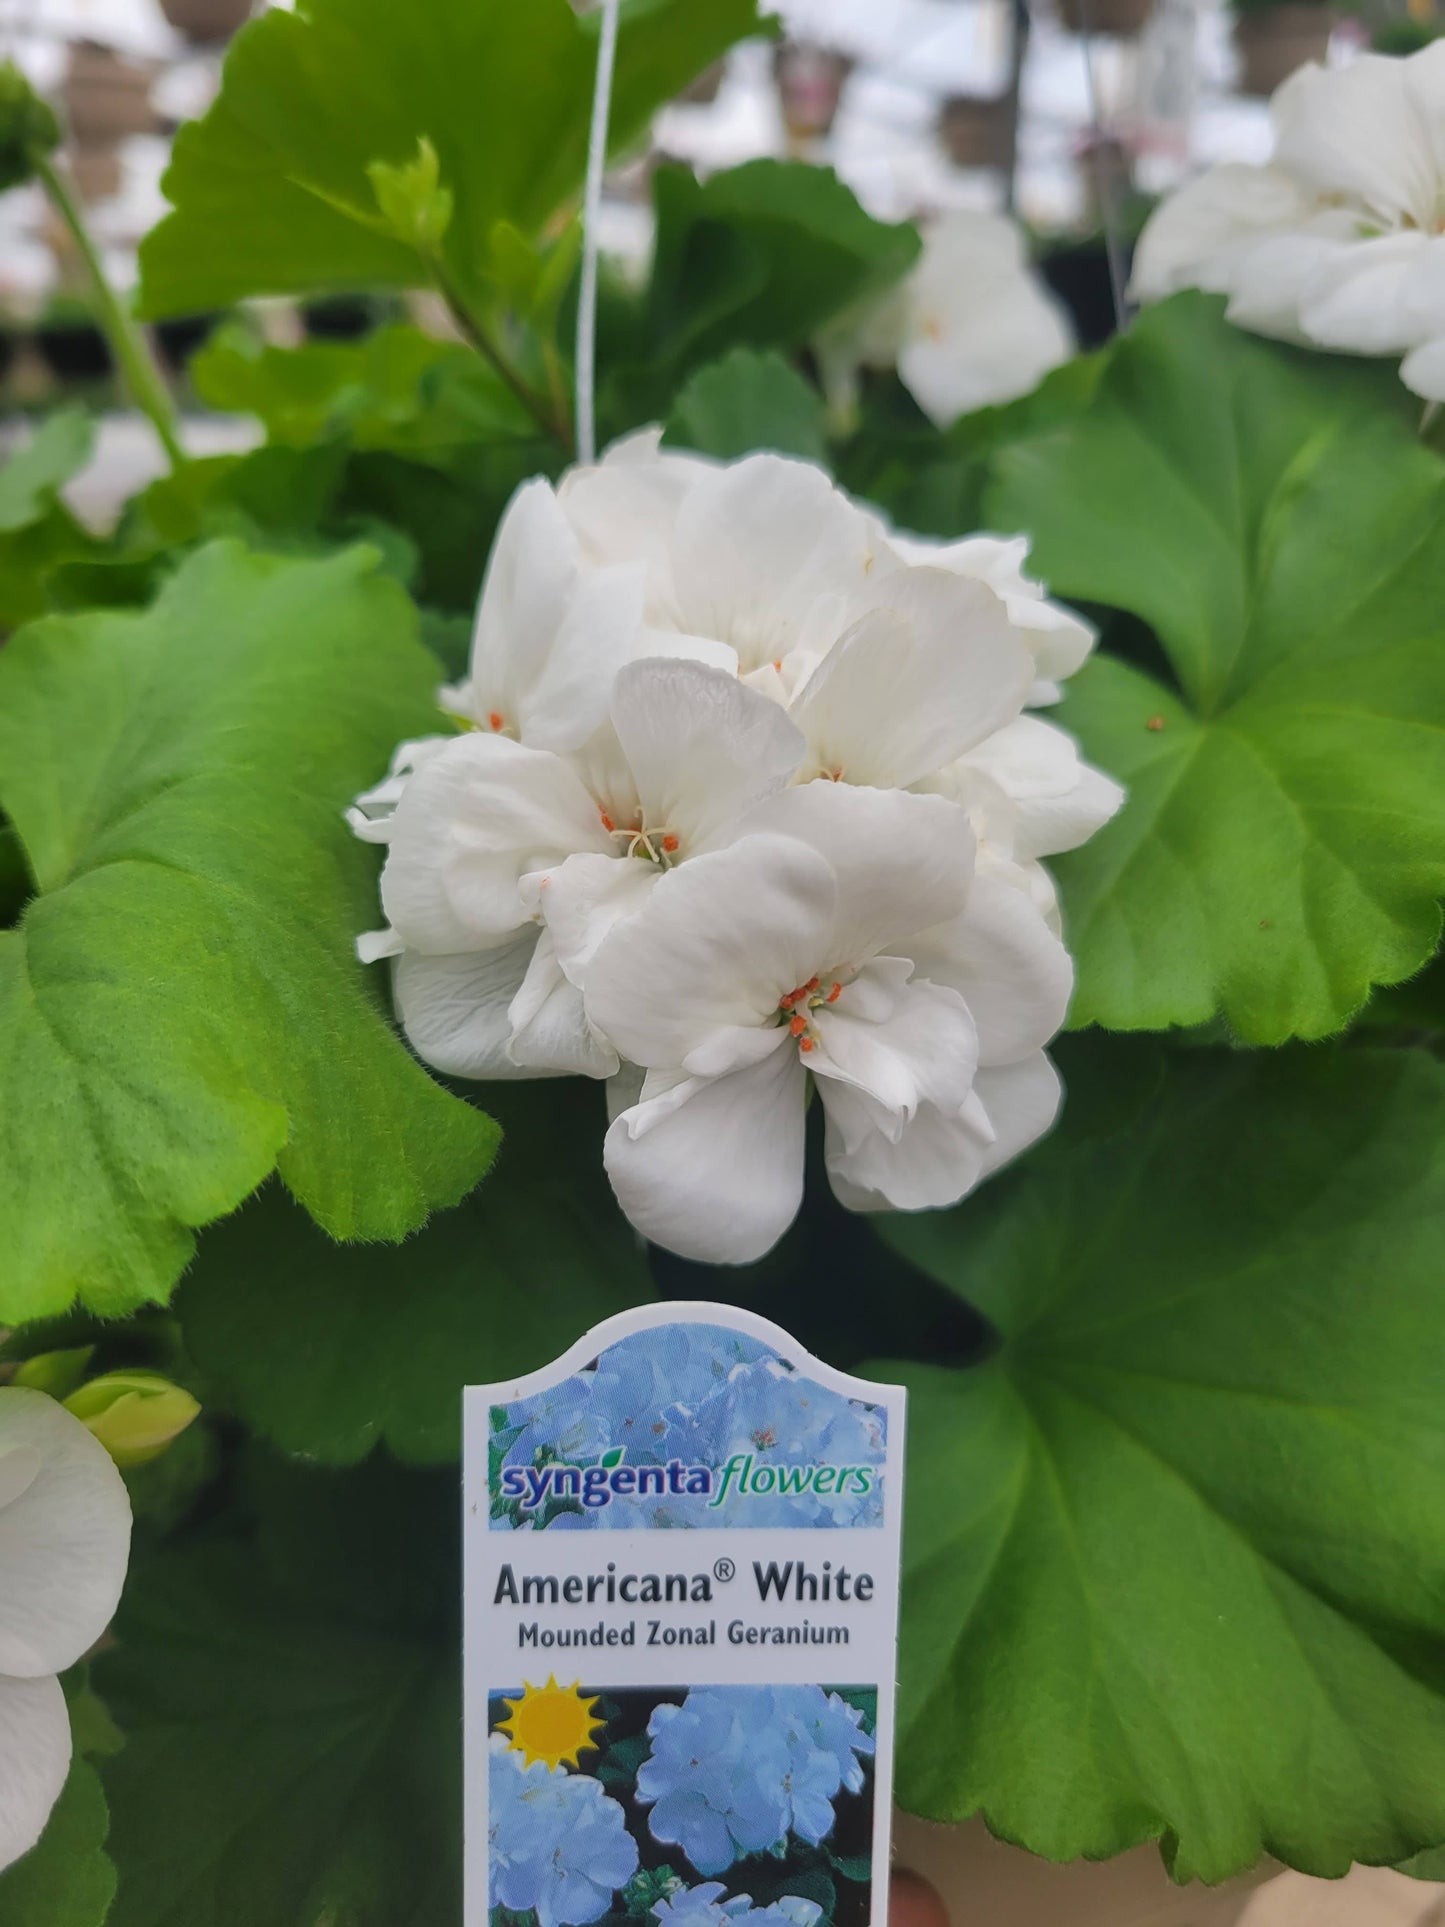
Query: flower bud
column 28, row 127
column 134, row 1414
column 416, row 207
column 55, row 1373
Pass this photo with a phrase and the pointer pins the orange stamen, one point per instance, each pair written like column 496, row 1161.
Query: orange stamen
column 835, row 993
column 495, row 719
column 797, row 1025
column 805, row 1043
column 670, row 843
column 607, row 822
column 812, row 985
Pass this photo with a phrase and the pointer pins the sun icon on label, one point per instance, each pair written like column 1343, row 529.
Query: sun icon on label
column 551, row 1723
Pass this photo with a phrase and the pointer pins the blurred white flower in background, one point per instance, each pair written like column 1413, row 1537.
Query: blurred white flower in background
column 781, row 825
column 64, row 1547
column 1340, row 241
column 970, row 325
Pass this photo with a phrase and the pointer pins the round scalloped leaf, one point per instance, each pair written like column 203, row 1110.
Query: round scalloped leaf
column 1175, row 1556
column 1273, row 518
column 181, row 1011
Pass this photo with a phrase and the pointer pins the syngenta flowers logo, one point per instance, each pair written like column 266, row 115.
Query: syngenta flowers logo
column 531, row 1487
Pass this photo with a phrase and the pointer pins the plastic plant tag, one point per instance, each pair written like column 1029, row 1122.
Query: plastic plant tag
column 682, row 1553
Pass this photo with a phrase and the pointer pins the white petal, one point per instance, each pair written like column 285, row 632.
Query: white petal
column 696, row 976
column 1352, row 132
column 1186, row 235
column 550, row 633
column 915, row 1046
column 471, row 824
column 370, row 816
column 902, row 862
column 713, row 1168
column 1266, row 279
column 34, row 1760
column 1022, row 1101
column 455, row 1010
column 625, row 510
column 702, row 748
column 1361, row 300
column 583, row 899
column 982, row 328
column 936, row 1160
column 1010, row 969
column 550, row 1034
column 932, row 670
column 1423, row 372
column 64, row 1536
column 1059, row 639
column 768, row 554
column 1059, row 801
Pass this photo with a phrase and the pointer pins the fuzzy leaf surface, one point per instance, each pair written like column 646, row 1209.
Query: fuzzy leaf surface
column 180, row 1009
column 1175, row 1556
column 1278, row 525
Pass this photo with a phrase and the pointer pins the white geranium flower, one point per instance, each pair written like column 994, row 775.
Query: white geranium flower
column 490, row 836
column 1028, row 792
column 1340, row 241
column 64, row 1546
column 969, row 326
column 761, row 562
column 1060, row 640
column 838, row 940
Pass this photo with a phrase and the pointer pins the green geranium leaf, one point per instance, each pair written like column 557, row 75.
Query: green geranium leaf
column 1283, row 533
column 180, row 1013
column 272, row 190
column 328, row 1349
column 1176, row 1555
column 748, row 401
column 31, row 480
column 293, row 1741
column 67, row 1880
column 397, row 389
column 757, row 257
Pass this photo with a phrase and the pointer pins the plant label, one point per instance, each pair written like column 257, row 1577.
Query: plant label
column 681, row 1555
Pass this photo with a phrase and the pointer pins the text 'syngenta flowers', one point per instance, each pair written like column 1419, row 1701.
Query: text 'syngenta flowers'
column 1340, row 241
column 749, row 799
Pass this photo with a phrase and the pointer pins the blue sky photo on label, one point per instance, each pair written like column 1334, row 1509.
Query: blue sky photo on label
column 686, row 1425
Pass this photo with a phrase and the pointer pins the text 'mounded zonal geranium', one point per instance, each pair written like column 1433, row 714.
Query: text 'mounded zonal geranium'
column 1340, row 240
column 746, row 801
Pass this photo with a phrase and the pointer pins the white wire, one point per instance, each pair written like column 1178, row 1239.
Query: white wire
column 591, row 208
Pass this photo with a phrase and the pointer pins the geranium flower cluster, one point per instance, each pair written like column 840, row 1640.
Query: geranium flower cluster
column 745, row 801
column 1340, row 240
column 558, row 1845
column 736, row 1769
column 700, row 1395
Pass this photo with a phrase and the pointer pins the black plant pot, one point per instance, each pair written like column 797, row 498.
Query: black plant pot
column 179, row 338
column 1079, row 276
column 339, row 317
column 8, row 351
column 74, row 350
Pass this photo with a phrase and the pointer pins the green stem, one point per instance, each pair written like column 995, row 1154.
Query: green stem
column 554, row 422
column 147, row 388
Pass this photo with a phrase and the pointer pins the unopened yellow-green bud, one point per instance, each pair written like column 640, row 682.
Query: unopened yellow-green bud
column 413, row 202
column 55, row 1373
column 135, row 1415
column 28, row 127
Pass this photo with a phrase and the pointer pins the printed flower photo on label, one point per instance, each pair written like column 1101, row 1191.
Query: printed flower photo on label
column 686, row 1426
column 688, row 1807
